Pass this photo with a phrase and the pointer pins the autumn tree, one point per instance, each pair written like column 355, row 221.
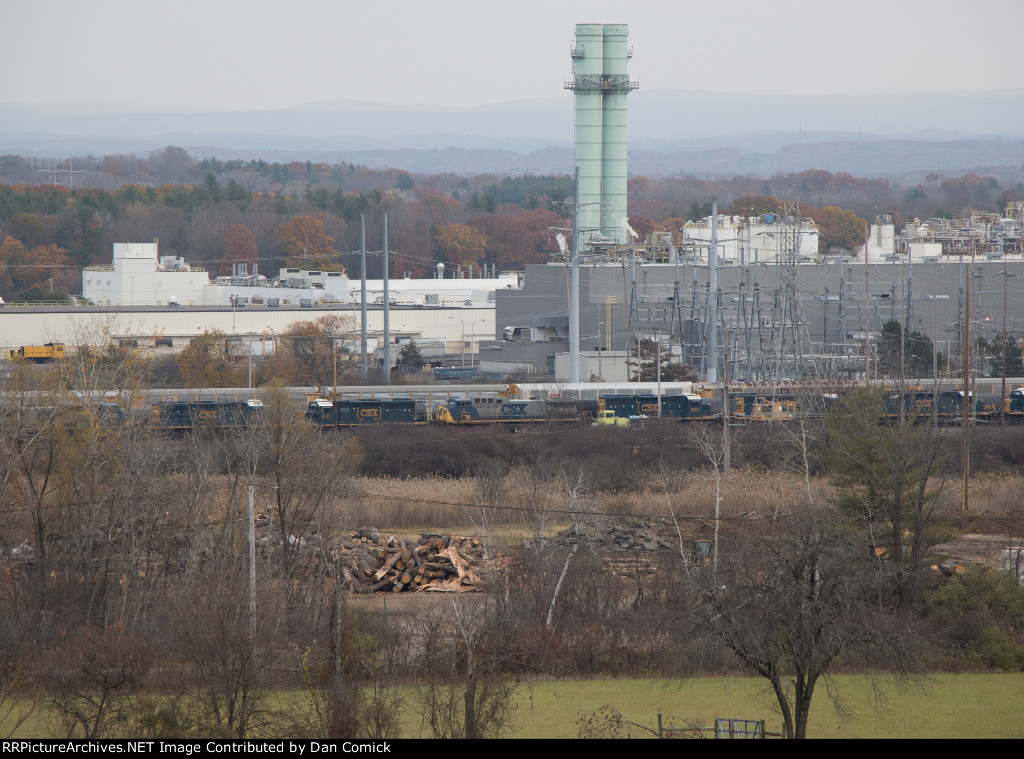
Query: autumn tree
column 214, row 360
column 307, row 244
column 239, row 247
column 306, row 470
column 460, row 244
column 839, row 227
column 519, row 239
column 11, row 253
column 38, row 269
column 753, row 205
column 311, row 352
column 25, row 227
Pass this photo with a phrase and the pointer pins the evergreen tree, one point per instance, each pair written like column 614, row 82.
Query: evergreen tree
column 410, row 356
column 917, row 352
column 992, row 353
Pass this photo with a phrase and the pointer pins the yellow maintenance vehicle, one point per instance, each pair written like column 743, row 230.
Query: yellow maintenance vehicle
column 609, row 419
column 40, row 354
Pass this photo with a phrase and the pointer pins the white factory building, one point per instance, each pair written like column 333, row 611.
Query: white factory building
column 745, row 241
column 139, row 276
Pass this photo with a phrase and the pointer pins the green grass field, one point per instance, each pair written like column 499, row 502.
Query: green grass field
column 940, row 706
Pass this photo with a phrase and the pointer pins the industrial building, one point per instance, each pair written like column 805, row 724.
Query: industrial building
column 836, row 301
column 139, row 276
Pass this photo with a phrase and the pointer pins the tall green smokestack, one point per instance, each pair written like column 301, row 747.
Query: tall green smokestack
column 601, row 83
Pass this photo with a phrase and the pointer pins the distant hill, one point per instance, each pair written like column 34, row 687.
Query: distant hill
column 670, row 131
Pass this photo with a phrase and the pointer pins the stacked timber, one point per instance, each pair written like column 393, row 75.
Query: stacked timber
column 370, row 562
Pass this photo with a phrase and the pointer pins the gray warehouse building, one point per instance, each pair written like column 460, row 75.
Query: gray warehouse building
column 836, row 301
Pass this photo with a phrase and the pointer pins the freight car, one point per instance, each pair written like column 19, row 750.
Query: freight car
column 189, row 415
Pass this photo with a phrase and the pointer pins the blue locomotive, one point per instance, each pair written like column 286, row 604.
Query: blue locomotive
column 191, row 415
column 350, row 413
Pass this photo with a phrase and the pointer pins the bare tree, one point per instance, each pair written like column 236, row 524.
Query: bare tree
column 465, row 694
column 791, row 597
column 94, row 681
column 233, row 672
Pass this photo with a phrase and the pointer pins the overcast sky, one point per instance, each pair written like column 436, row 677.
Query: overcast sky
column 263, row 54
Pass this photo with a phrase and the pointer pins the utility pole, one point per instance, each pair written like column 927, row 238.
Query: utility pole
column 574, row 291
column 252, row 556
column 362, row 268
column 867, row 308
column 387, row 309
column 657, row 365
column 726, row 443
column 1006, row 276
column 965, row 438
column 935, row 355
column 712, row 365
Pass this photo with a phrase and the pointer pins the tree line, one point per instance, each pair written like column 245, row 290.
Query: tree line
column 217, row 213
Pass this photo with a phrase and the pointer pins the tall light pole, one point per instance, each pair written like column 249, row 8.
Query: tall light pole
column 387, row 309
column 1006, row 276
column 712, row 366
column 574, row 290
column 362, row 276
column 574, row 286
column 657, row 364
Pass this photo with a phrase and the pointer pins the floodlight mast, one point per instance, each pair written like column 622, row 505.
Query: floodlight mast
column 712, row 364
column 574, row 292
column 574, row 289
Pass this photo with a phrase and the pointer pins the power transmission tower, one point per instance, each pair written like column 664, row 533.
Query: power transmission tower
column 790, row 350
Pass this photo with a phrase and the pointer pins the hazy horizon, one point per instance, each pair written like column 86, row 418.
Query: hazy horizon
column 244, row 55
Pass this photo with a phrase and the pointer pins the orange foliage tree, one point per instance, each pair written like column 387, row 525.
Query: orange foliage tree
column 460, row 244
column 214, row 360
column 239, row 247
column 519, row 239
column 754, row 205
column 308, row 245
column 45, row 265
column 305, row 353
column 837, row 227
column 11, row 253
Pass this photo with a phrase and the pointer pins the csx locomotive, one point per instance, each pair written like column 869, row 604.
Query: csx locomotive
column 486, row 408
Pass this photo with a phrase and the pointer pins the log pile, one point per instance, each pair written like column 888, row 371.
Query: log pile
column 370, row 562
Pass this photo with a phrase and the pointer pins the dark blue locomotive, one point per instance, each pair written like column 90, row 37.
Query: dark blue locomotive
column 947, row 406
column 350, row 413
column 687, row 406
column 190, row 415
